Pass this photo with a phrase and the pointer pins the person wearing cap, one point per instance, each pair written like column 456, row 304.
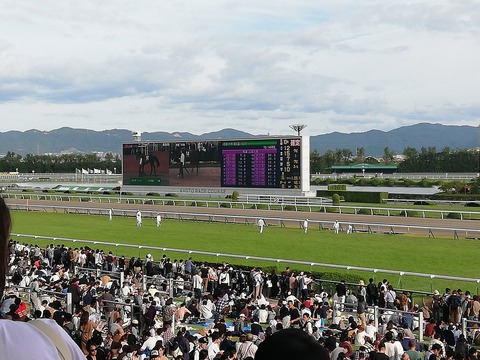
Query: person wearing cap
column 200, row 345
column 239, row 324
column 154, row 354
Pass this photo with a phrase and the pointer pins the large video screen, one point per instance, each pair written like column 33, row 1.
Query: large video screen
column 251, row 163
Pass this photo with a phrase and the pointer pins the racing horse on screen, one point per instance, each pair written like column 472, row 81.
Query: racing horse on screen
column 147, row 159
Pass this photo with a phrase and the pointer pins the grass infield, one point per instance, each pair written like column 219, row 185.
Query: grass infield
column 402, row 253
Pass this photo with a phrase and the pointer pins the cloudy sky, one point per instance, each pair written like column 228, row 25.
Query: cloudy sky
column 257, row 66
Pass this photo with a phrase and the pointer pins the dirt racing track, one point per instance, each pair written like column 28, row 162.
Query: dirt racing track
column 365, row 223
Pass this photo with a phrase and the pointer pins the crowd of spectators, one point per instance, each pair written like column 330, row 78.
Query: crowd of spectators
column 214, row 304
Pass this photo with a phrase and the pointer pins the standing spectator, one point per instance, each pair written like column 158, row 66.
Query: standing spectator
column 336, row 227
column 305, row 226
column 349, row 229
column 361, row 307
column 158, row 220
column 197, row 286
column 139, row 218
column 188, row 266
column 261, row 224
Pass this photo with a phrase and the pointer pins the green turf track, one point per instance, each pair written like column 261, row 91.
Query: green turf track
column 393, row 252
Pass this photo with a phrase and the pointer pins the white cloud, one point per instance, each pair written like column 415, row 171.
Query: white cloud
column 254, row 66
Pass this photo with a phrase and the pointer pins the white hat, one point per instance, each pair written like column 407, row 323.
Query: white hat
column 436, row 292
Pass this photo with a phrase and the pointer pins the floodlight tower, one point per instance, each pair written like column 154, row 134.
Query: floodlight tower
column 298, row 128
column 137, row 136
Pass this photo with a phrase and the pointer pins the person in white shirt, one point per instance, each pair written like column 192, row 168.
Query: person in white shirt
column 126, row 289
column 371, row 330
column 159, row 220
column 139, row 218
column 349, row 229
column 336, row 227
column 261, row 224
column 393, row 348
column 305, row 225
column 360, row 336
column 206, row 309
column 214, row 347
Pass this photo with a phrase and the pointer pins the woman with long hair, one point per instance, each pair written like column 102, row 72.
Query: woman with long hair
column 87, row 327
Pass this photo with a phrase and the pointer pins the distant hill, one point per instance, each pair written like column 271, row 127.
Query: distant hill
column 416, row 136
column 374, row 141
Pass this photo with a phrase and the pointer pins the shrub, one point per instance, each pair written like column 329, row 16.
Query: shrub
column 336, row 199
column 364, row 212
column 390, row 182
column 472, row 204
column 289, row 208
column 152, row 194
column 225, row 205
column 260, row 207
column 235, row 195
column 452, row 215
column 169, row 203
column 331, row 209
column 421, row 202
column 171, row 195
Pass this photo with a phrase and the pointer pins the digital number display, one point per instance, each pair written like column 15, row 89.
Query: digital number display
column 261, row 163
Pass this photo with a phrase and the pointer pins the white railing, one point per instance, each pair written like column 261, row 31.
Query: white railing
column 284, row 206
column 245, row 257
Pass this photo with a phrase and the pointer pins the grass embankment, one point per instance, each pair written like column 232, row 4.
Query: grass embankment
column 392, row 252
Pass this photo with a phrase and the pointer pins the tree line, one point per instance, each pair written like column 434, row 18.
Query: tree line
column 426, row 160
column 65, row 163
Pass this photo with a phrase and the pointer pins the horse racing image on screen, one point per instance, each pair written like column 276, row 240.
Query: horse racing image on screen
column 250, row 163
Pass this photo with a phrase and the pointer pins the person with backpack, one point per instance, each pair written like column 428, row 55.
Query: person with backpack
column 454, row 304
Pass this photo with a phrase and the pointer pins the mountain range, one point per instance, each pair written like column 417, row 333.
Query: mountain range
column 374, row 141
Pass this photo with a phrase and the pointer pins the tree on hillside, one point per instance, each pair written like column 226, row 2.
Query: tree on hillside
column 360, row 156
column 388, row 155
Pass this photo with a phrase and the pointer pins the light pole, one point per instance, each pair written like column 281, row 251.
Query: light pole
column 298, row 128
